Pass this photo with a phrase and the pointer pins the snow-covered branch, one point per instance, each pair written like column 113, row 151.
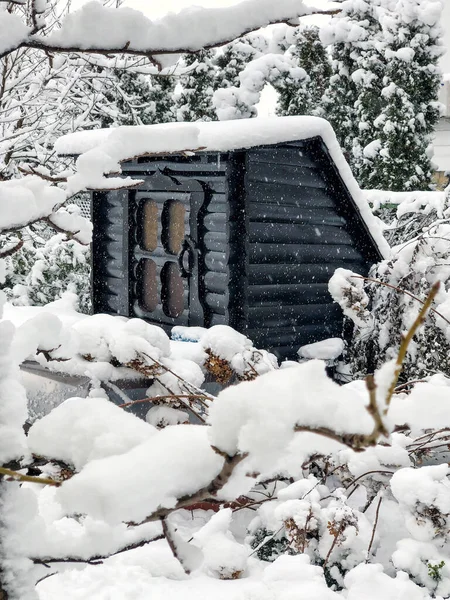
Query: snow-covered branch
column 124, row 30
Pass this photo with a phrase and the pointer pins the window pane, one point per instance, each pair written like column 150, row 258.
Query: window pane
column 149, row 225
column 172, row 290
column 148, row 285
column 173, row 226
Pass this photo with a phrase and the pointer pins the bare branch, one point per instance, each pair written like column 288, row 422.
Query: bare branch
column 172, row 545
column 94, row 560
column 49, row 178
column 163, row 398
column 36, row 11
column 377, row 514
column 407, row 339
column 230, row 463
column 12, row 250
column 401, row 291
column 14, row 475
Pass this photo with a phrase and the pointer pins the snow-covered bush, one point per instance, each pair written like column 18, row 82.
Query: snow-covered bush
column 42, row 270
column 407, row 215
column 284, row 495
column 383, row 310
column 277, row 459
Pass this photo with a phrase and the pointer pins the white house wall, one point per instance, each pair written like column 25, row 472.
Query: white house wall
column 442, row 140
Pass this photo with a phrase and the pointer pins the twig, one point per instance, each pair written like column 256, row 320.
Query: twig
column 12, row 250
column 431, row 434
column 28, row 478
column 407, row 339
column 48, row 356
column 94, row 560
column 402, row 291
column 173, row 546
column 49, row 178
column 408, row 383
column 377, row 513
column 168, row 397
column 355, row 441
column 333, row 545
column 46, row 577
column 365, row 475
column 372, row 409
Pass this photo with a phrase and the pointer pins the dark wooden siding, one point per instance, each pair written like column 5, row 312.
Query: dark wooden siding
column 110, row 273
column 274, row 224
column 112, row 221
column 298, row 233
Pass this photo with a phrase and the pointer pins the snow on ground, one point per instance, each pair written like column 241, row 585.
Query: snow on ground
column 289, row 578
column 127, row 469
column 154, row 573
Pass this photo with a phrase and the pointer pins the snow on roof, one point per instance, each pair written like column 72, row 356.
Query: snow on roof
column 214, row 136
column 102, row 151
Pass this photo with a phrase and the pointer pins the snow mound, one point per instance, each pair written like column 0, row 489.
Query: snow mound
column 83, row 429
column 174, row 462
column 329, row 349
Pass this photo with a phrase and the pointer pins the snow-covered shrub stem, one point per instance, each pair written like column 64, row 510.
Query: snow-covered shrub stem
column 407, row 339
column 356, row 442
column 15, row 475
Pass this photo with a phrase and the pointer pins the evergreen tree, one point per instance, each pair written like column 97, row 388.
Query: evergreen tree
column 303, row 96
column 195, row 101
column 234, row 98
column 137, row 99
column 350, row 35
column 161, row 103
column 233, row 58
column 382, row 97
column 399, row 156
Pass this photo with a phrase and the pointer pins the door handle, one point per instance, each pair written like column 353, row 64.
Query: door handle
column 187, row 258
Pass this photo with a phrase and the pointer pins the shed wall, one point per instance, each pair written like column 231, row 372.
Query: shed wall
column 298, row 234
column 274, row 225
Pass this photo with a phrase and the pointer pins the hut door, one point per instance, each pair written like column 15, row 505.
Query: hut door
column 165, row 254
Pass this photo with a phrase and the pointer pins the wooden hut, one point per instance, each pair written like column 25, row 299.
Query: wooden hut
column 245, row 231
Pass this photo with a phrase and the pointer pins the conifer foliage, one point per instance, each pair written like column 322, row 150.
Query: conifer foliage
column 138, row 99
column 198, row 83
column 382, row 97
column 406, row 122
column 303, row 96
column 390, row 302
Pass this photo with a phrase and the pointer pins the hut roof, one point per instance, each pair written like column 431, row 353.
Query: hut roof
column 101, row 151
